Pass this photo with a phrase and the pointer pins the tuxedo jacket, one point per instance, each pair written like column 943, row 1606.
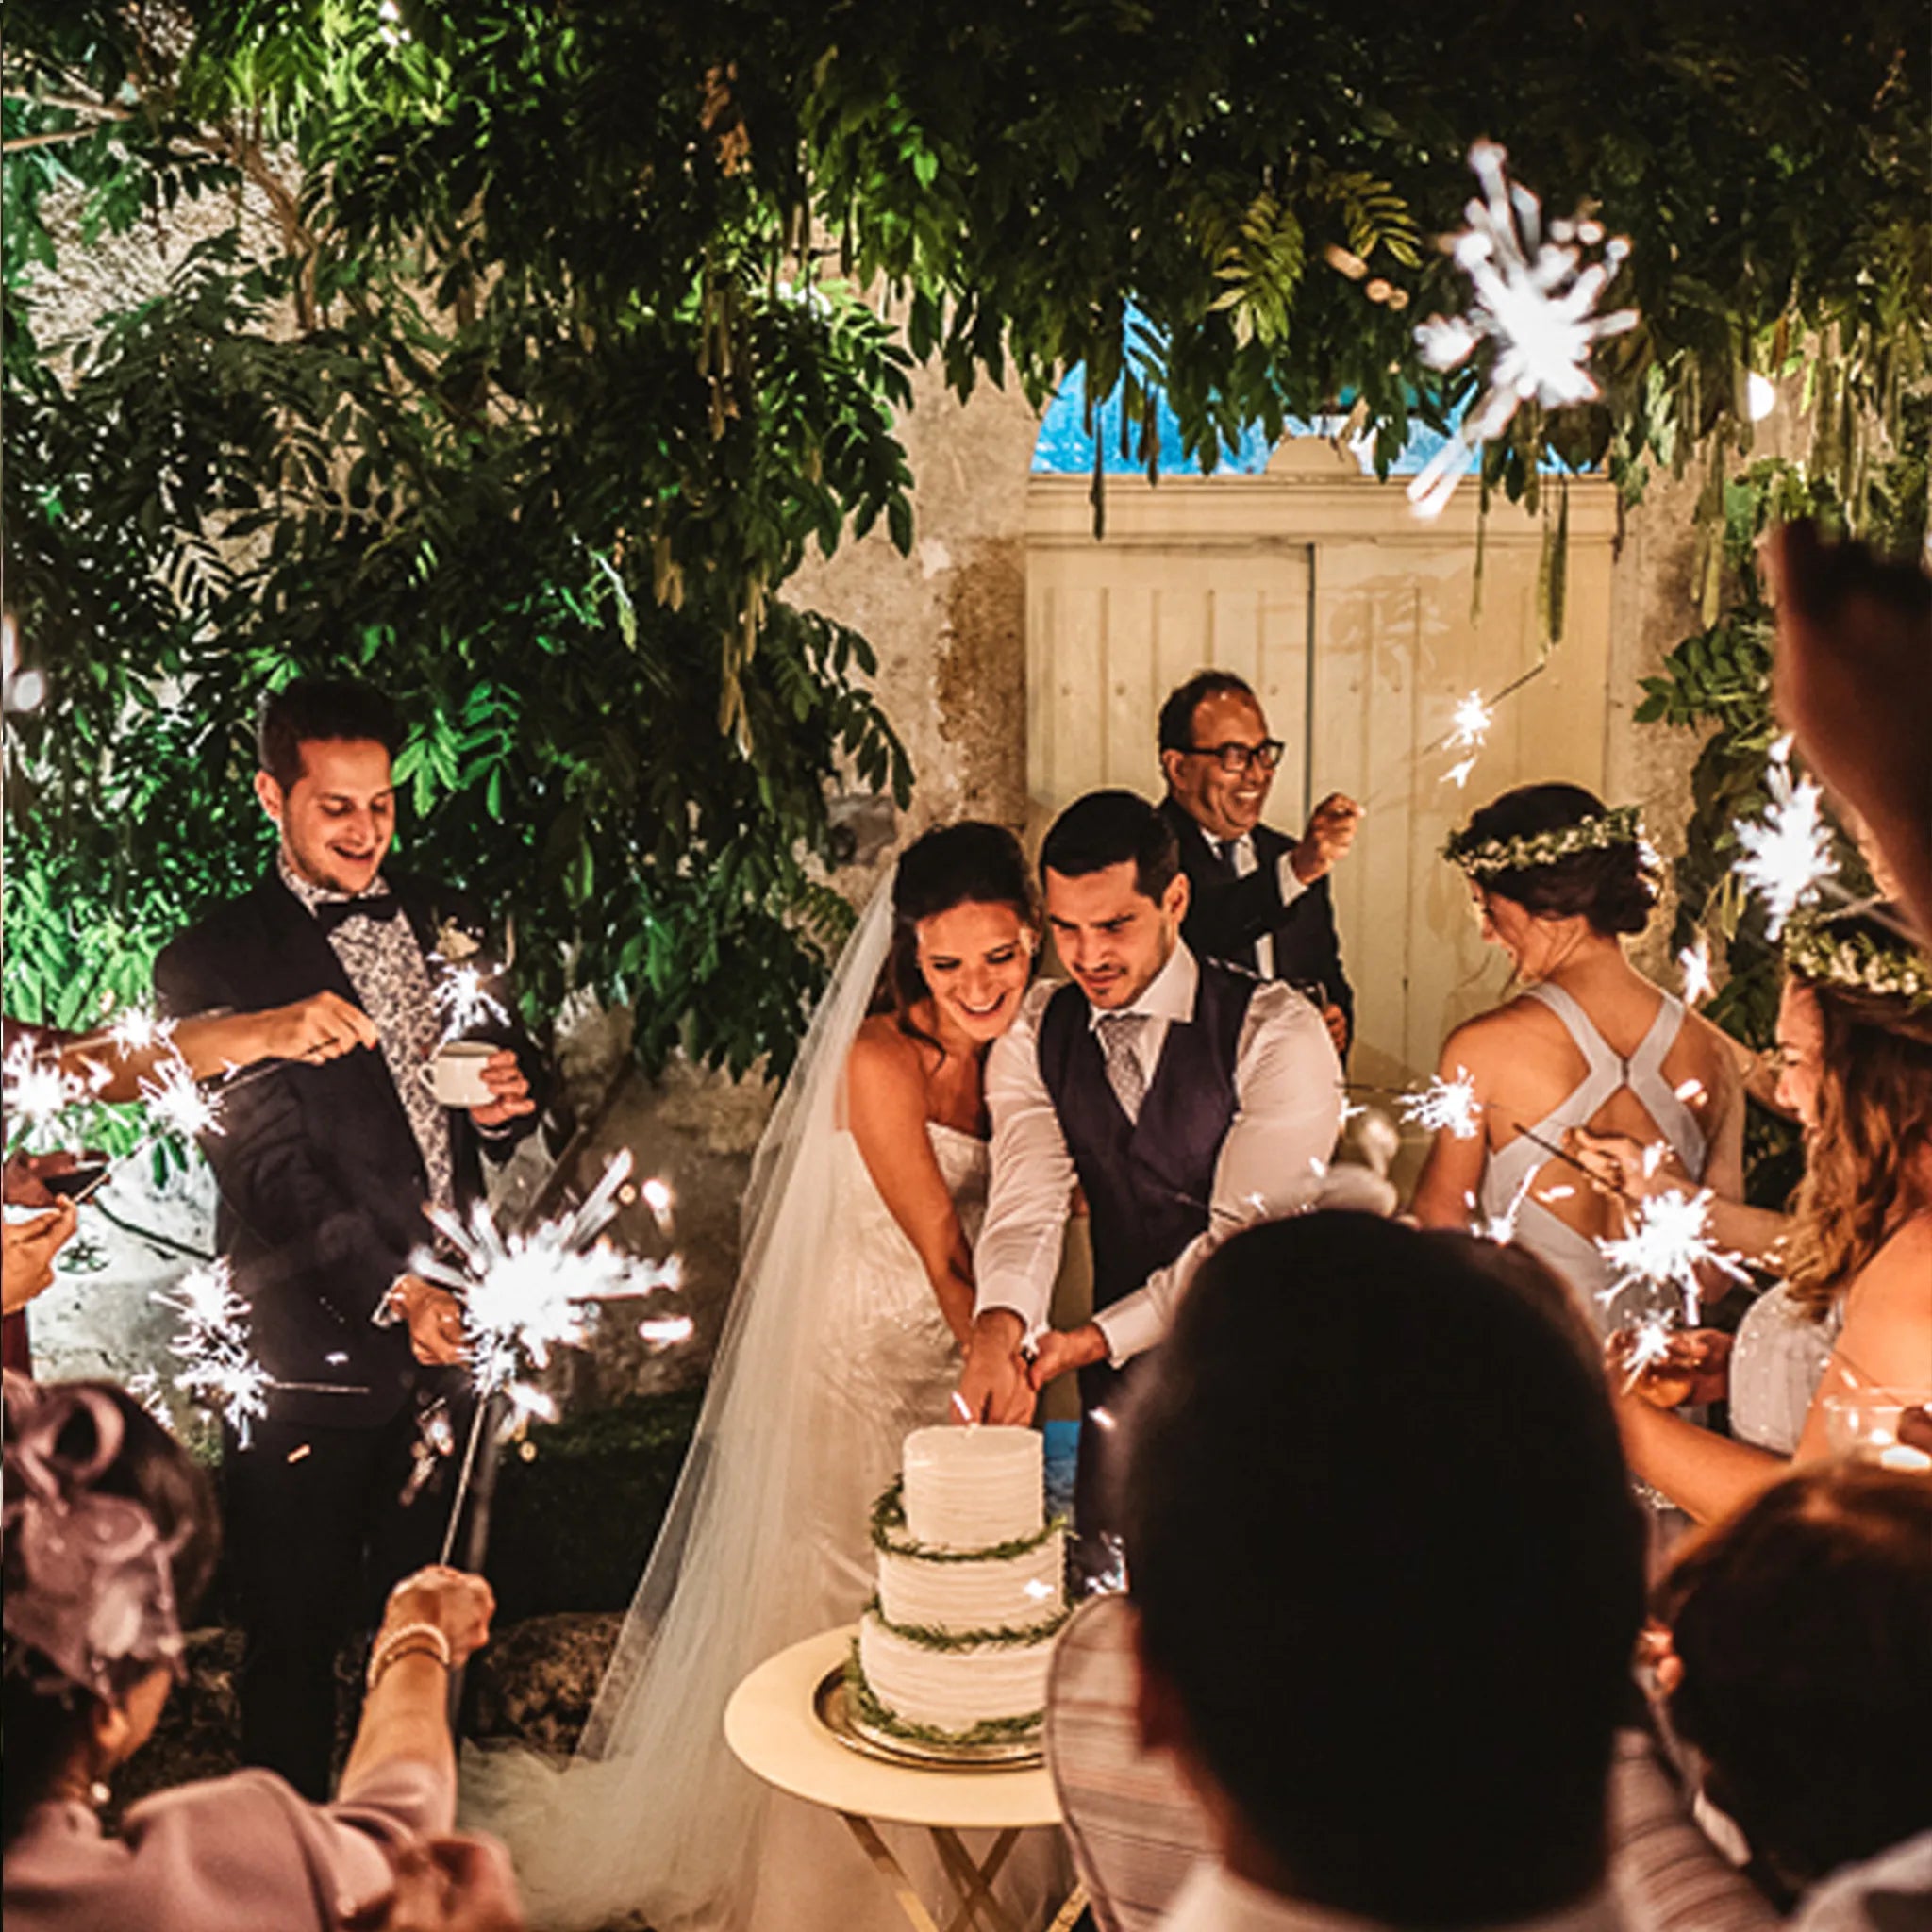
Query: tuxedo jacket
column 1226, row 915
column 322, row 1182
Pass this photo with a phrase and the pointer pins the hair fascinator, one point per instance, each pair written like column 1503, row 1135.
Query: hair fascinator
column 89, row 1600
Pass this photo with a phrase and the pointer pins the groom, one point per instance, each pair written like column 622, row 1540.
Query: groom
column 1186, row 1098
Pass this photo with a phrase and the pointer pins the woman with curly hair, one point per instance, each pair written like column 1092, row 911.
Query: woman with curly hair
column 1589, row 1043
column 1854, row 1311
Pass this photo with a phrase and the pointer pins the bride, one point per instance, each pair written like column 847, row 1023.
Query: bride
column 855, row 1291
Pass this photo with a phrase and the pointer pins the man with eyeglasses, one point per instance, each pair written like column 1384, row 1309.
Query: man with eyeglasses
column 1260, row 900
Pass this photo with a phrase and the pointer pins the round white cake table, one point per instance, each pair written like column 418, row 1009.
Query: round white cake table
column 774, row 1729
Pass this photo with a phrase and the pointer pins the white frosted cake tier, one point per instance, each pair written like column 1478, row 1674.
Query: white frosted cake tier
column 951, row 1690
column 996, row 1593
column 973, row 1489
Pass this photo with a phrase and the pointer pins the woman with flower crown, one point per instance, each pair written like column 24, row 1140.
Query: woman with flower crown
column 1854, row 1311
column 1589, row 1043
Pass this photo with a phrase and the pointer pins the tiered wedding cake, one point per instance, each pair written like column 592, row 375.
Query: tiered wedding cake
column 953, row 1649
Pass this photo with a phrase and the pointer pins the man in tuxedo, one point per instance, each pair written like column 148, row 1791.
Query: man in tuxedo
column 325, row 1168
column 1186, row 1098
column 1259, row 899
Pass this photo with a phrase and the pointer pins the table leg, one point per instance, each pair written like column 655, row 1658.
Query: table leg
column 1064, row 1919
column 973, row 1882
column 889, row 1869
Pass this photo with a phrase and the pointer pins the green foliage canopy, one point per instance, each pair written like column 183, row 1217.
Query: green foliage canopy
column 529, row 377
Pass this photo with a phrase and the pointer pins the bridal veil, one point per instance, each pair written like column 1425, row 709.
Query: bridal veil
column 653, row 1818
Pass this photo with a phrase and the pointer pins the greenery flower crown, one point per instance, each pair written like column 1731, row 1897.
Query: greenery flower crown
column 1621, row 825
column 1858, row 961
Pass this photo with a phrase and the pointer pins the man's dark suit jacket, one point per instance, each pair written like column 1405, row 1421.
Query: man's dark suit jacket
column 1226, row 915
column 322, row 1182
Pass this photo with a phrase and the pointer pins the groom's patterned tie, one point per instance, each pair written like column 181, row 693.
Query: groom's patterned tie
column 1120, row 1042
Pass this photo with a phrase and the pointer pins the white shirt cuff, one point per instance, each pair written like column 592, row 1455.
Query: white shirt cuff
column 1288, row 883
column 1131, row 1326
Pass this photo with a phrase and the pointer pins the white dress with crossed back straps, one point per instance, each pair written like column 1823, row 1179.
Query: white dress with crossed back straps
column 1507, row 1175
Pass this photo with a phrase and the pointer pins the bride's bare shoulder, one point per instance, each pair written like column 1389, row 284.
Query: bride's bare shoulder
column 883, row 1056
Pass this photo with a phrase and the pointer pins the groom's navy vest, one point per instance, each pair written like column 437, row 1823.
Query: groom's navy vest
column 1148, row 1184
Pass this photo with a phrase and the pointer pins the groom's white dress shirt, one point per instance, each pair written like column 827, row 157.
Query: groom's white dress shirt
column 1287, row 1100
column 1214, row 1900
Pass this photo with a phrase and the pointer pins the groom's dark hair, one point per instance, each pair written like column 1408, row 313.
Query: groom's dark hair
column 1113, row 829
column 1387, row 1567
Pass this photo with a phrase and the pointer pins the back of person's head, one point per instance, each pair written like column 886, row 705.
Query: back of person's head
column 1874, row 991
column 111, row 1537
column 1608, row 884
column 1176, row 725
column 1803, row 1627
column 1108, row 828
column 1387, row 1567
column 968, row 863
column 317, row 710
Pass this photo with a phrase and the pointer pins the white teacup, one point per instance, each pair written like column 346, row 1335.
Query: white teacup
column 455, row 1072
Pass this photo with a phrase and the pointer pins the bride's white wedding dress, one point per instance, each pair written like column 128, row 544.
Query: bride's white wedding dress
column 833, row 1351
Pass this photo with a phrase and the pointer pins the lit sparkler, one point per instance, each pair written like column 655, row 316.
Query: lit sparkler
column 1535, row 302
column 1788, row 852
column 1667, row 1246
column 139, row 1030
column 1450, row 1104
column 218, row 1367
column 178, row 1104
column 1695, row 964
column 525, row 1296
column 1469, row 731
column 1649, row 1345
column 1501, row 1228
column 37, row 1091
column 465, row 1001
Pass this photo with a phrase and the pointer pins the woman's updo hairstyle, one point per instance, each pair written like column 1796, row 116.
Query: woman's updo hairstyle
column 970, row 863
column 1608, row 885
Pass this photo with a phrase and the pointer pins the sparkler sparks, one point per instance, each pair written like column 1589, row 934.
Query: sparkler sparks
column 139, row 1030
column 1469, row 731
column 525, row 1295
column 179, row 1104
column 1695, row 964
column 1450, row 1104
column 217, row 1367
column 1788, row 852
column 1535, row 301
column 464, row 999
column 1501, row 1228
column 1650, row 1344
column 1667, row 1246
column 37, row 1091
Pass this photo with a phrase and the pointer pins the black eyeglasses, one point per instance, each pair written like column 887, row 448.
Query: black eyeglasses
column 1238, row 758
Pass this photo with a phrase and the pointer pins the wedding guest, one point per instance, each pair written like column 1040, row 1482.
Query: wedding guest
column 110, row 1537
column 1397, row 1707
column 1258, row 899
column 1853, row 678
column 1185, row 1098
column 323, row 1170
column 1854, row 1307
column 1558, row 880
column 1800, row 1669
column 316, row 1028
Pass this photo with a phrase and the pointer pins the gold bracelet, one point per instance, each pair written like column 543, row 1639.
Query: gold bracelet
column 393, row 1646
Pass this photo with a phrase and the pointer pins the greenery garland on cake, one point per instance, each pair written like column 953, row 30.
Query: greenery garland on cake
column 930, row 1637
column 888, row 1524
column 874, row 1716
